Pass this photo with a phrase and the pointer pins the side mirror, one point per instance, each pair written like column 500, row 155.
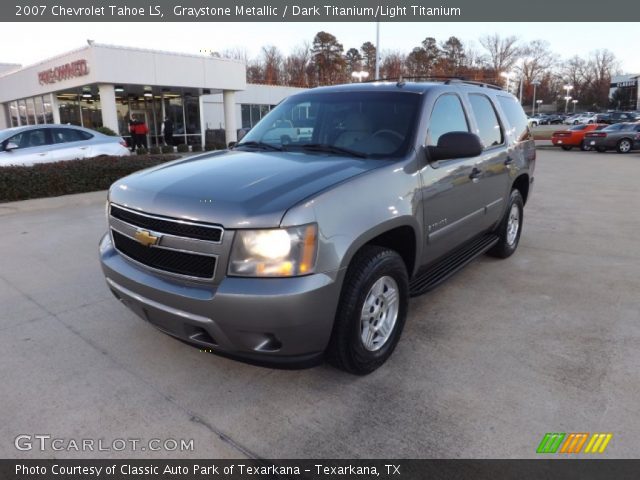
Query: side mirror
column 456, row 145
column 231, row 145
column 10, row 146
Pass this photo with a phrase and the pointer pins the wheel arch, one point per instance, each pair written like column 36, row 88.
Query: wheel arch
column 522, row 184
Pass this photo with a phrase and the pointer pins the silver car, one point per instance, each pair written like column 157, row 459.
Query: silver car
column 53, row 143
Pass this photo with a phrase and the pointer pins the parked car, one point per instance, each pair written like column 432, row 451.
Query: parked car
column 538, row 119
column 622, row 137
column 33, row 144
column 313, row 247
column 554, row 119
column 572, row 120
column 618, row 117
column 574, row 136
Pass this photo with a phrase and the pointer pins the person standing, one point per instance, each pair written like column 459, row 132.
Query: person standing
column 167, row 130
column 141, row 132
column 132, row 130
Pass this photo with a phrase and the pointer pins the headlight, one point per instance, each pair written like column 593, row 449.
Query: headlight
column 280, row 252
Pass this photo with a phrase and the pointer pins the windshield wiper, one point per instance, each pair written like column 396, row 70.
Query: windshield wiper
column 326, row 147
column 261, row 145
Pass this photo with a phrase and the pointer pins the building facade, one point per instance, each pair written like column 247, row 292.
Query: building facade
column 103, row 86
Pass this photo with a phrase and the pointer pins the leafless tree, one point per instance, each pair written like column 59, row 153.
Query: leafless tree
column 502, row 52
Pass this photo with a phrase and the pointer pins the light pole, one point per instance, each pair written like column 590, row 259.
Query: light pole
column 360, row 75
column 567, row 97
column 539, row 103
column 377, row 50
column 574, row 105
column 535, row 83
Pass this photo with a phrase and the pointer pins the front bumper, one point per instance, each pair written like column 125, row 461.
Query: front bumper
column 266, row 320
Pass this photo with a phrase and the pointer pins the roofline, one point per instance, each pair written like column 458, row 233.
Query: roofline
column 115, row 47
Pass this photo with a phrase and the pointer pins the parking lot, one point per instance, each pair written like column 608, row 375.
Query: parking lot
column 503, row 352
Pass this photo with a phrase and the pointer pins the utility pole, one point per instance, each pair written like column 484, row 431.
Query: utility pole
column 378, row 50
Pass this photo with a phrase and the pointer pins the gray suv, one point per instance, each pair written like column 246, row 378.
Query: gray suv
column 287, row 249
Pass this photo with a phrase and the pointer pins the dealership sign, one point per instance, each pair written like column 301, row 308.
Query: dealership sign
column 79, row 68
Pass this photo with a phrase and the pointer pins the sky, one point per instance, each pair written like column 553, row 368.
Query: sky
column 40, row 41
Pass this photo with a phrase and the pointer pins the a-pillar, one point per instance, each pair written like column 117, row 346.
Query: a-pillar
column 108, row 106
column 229, row 105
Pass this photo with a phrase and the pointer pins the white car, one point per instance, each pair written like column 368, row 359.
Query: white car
column 54, row 143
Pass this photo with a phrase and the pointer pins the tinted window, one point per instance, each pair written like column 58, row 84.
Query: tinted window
column 577, row 128
column 28, row 138
column 517, row 118
column 447, row 116
column 489, row 129
column 65, row 135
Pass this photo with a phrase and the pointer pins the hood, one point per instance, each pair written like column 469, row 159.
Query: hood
column 236, row 189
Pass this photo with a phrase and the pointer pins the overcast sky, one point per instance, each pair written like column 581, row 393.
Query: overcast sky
column 35, row 42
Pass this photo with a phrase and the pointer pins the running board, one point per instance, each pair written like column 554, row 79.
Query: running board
column 443, row 269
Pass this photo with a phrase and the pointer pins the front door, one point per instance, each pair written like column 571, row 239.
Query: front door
column 453, row 206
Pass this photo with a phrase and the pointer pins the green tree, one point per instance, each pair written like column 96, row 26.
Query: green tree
column 326, row 54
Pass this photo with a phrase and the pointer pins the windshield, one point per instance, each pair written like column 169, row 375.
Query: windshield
column 371, row 124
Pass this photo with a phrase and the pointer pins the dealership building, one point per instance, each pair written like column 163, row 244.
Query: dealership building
column 103, row 85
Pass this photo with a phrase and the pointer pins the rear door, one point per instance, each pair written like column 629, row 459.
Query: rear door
column 494, row 181
column 70, row 144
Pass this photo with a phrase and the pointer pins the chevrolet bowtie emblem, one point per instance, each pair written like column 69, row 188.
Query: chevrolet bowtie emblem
column 146, row 238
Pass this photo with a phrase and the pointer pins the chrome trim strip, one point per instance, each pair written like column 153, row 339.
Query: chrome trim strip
column 454, row 225
column 163, row 247
column 164, row 272
column 167, row 219
column 154, row 304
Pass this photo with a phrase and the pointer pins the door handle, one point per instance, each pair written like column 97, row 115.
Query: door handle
column 475, row 173
column 508, row 161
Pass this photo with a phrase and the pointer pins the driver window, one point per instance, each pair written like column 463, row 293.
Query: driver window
column 447, row 116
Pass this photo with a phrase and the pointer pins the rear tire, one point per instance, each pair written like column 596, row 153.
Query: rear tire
column 510, row 227
column 567, row 147
column 624, row 146
column 601, row 149
column 584, row 147
column 366, row 329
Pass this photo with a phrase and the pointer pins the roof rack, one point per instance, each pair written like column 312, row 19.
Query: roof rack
column 446, row 79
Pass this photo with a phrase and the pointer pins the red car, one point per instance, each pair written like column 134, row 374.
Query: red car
column 574, row 136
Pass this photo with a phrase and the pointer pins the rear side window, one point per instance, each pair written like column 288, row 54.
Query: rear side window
column 65, row 135
column 577, row 128
column 489, row 129
column 447, row 116
column 517, row 118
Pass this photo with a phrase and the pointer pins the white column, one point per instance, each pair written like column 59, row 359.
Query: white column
column 3, row 116
column 108, row 106
column 203, row 127
column 55, row 108
column 229, row 105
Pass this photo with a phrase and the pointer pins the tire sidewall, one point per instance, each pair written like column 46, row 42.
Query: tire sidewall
column 358, row 359
column 507, row 250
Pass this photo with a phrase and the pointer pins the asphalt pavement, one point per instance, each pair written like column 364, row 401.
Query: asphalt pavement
column 503, row 352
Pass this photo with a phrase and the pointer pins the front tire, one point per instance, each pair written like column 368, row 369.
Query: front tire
column 510, row 227
column 372, row 311
column 567, row 147
column 584, row 147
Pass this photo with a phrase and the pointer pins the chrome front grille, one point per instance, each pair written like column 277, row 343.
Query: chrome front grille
column 171, row 246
